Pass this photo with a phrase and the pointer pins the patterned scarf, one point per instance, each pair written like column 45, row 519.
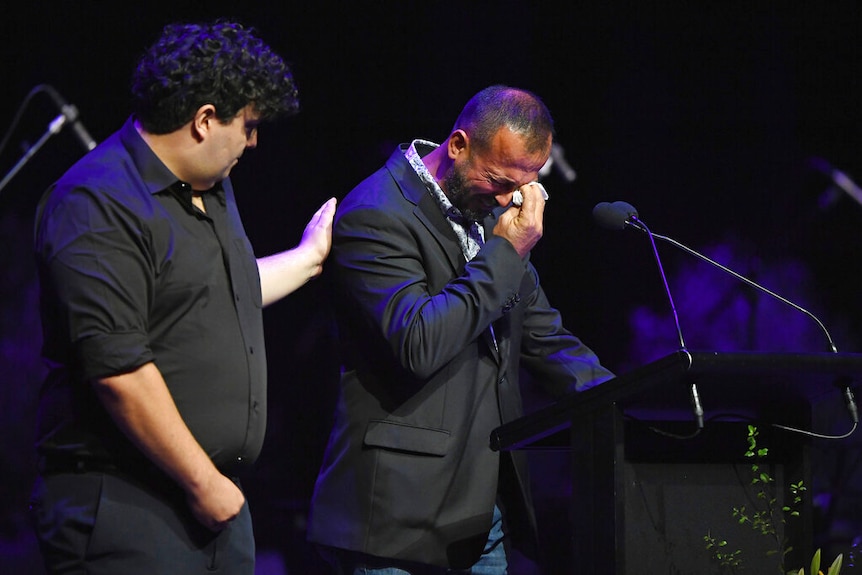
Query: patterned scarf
column 471, row 235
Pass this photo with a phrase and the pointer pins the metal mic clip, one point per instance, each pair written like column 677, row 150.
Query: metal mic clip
column 851, row 403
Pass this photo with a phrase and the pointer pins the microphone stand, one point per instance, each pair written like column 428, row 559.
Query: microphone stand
column 53, row 128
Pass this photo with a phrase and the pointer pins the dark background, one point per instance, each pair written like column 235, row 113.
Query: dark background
column 712, row 119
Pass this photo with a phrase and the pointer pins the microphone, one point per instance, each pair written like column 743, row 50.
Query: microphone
column 558, row 160
column 841, row 182
column 69, row 115
column 614, row 216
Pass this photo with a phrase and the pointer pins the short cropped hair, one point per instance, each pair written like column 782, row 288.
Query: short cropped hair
column 221, row 63
column 497, row 106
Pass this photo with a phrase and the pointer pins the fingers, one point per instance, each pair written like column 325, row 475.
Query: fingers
column 328, row 206
column 324, row 212
column 518, row 196
column 218, row 504
column 522, row 225
column 321, row 221
column 533, row 205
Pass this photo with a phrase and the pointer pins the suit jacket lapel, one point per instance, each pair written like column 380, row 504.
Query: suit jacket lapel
column 428, row 212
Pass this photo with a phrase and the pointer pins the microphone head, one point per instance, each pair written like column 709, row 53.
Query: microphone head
column 614, row 216
column 627, row 208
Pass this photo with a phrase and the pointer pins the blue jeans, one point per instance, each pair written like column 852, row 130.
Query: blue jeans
column 493, row 560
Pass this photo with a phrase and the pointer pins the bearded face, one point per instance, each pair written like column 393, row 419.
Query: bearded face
column 471, row 206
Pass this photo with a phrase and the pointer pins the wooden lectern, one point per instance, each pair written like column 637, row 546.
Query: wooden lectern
column 648, row 483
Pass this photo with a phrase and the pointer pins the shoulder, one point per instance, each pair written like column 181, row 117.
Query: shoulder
column 103, row 186
column 107, row 164
column 396, row 180
column 382, row 190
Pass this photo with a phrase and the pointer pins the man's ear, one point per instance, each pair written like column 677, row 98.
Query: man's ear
column 202, row 121
column 458, row 143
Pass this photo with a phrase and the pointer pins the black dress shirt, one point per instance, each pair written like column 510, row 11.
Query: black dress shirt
column 131, row 272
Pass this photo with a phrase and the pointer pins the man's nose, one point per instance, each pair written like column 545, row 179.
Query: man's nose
column 505, row 199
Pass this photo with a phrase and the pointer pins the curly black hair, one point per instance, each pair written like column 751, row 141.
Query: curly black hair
column 221, row 63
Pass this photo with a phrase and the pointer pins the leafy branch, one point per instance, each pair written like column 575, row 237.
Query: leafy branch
column 765, row 518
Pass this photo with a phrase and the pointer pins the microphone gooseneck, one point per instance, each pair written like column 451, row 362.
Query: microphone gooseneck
column 636, row 223
column 754, row 284
column 620, row 215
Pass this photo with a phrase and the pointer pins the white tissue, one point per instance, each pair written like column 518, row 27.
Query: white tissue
column 518, row 197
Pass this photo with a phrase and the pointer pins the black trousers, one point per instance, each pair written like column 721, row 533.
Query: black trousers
column 105, row 523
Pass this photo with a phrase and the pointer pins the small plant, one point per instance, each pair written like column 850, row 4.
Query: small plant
column 731, row 560
column 765, row 518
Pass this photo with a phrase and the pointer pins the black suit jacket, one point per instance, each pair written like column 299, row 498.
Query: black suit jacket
column 408, row 472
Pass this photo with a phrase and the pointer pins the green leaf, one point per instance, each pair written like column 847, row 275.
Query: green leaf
column 815, row 562
column 835, row 568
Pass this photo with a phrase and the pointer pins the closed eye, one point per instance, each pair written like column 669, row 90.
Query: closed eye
column 502, row 185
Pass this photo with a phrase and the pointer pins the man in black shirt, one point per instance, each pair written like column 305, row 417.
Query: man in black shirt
column 151, row 303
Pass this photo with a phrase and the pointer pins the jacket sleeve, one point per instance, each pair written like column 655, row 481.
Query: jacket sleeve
column 393, row 268
column 558, row 360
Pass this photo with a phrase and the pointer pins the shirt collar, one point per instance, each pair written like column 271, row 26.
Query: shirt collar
column 414, row 153
column 155, row 174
